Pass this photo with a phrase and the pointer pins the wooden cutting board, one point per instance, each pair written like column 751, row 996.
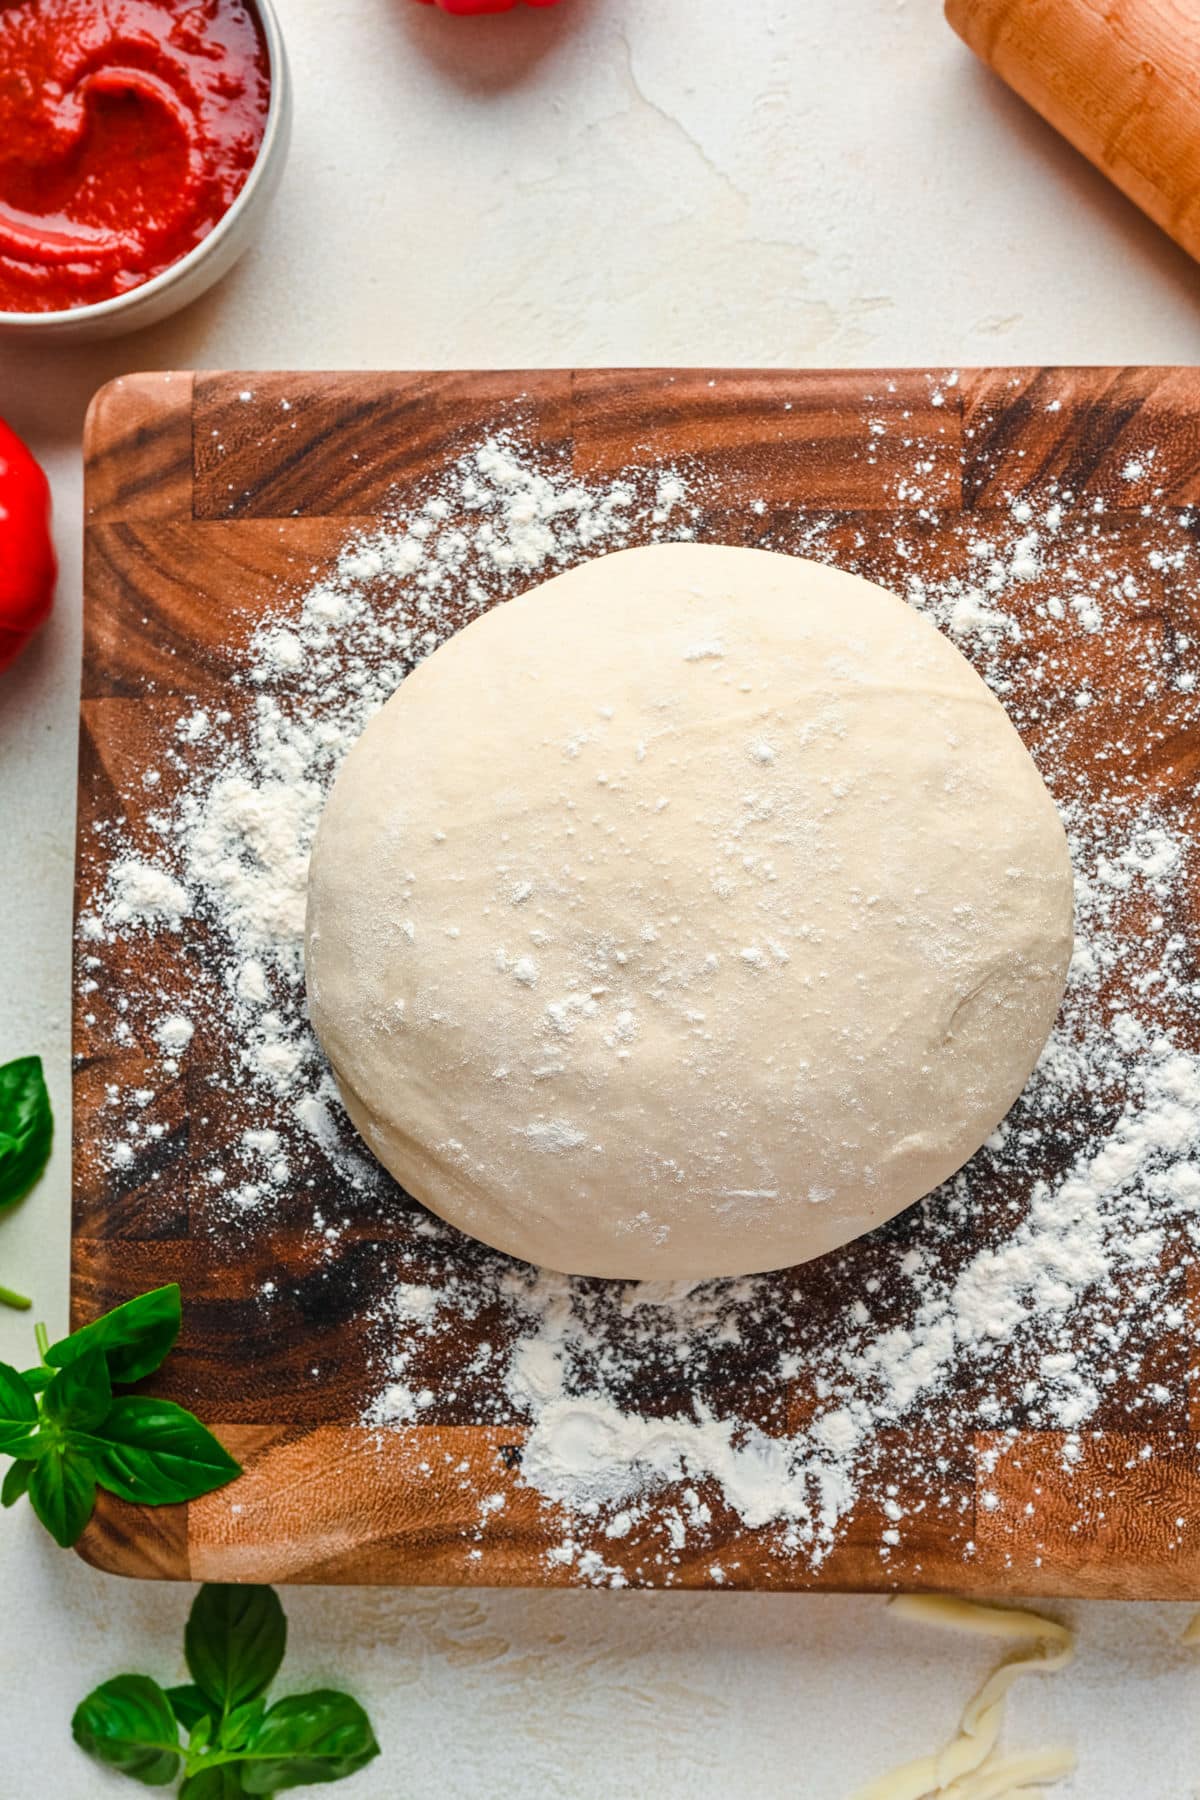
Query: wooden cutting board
column 200, row 504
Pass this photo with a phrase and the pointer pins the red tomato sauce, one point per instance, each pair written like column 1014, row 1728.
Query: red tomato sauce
column 127, row 128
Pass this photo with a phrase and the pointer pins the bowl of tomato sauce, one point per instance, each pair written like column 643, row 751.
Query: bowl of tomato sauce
column 140, row 144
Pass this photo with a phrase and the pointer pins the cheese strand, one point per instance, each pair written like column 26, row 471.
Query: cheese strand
column 966, row 1768
column 1006, row 1777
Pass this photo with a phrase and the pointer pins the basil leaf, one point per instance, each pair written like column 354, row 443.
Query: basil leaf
column 234, row 1642
column 222, row 1783
column 80, row 1395
column 314, row 1737
column 16, row 1398
column 200, row 1736
column 189, row 1705
column 134, row 1336
column 241, row 1724
column 128, row 1724
column 26, row 1127
column 18, row 1411
column 155, row 1453
column 62, row 1492
column 16, row 1482
column 37, row 1379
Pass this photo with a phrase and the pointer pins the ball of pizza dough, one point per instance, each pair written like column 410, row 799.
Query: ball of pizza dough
column 687, row 916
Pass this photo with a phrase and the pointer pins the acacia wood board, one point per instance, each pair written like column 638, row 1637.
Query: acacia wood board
column 201, row 505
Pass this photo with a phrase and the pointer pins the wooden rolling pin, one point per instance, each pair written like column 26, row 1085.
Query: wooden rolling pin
column 1119, row 78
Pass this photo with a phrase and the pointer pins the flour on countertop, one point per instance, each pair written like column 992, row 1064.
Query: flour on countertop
column 619, row 1388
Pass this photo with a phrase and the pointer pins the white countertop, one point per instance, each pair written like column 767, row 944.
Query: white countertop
column 672, row 181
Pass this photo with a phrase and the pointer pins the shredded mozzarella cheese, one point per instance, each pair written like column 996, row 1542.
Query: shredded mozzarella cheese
column 966, row 1769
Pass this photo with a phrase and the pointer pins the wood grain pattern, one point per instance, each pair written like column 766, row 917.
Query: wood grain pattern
column 205, row 508
column 1119, row 78
column 750, row 433
column 140, row 464
column 1106, row 1516
column 1086, row 428
column 267, row 456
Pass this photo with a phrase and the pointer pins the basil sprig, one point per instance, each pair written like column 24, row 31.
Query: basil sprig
column 69, row 1433
column 236, row 1745
column 26, row 1130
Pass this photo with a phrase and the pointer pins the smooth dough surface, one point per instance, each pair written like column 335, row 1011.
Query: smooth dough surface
column 687, row 916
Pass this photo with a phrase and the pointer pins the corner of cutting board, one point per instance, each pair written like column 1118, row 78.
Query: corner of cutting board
column 128, row 400
column 137, row 447
column 141, row 1542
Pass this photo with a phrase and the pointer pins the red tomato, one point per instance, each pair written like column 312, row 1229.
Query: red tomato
column 28, row 569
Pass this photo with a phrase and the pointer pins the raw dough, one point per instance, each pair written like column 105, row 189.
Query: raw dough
column 687, row 916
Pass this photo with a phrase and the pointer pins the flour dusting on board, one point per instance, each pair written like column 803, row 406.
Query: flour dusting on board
column 653, row 1418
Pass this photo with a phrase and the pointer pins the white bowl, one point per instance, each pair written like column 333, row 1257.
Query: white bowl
column 188, row 278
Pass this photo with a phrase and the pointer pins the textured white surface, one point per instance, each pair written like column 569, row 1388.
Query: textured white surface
column 675, row 180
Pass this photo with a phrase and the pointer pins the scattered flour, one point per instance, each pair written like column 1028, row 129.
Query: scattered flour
column 142, row 894
column 174, row 1033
